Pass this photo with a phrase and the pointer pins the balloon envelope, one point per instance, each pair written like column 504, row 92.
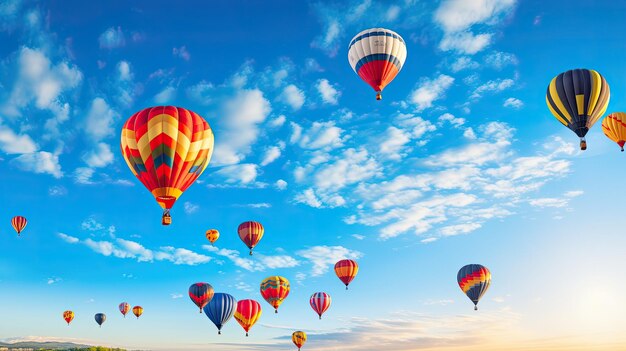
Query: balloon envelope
column 250, row 233
column 614, row 127
column 578, row 98
column 100, row 318
column 212, row 235
column 124, row 307
column 201, row 294
column 298, row 338
column 19, row 223
column 137, row 311
column 377, row 55
column 275, row 290
column 247, row 313
column 220, row 309
column 166, row 148
column 474, row 280
column 346, row 271
column 68, row 316
column 320, row 302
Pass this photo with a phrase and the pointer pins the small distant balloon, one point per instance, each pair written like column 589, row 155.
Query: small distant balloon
column 346, row 271
column 201, row 294
column 68, row 316
column 137, row 311
column 320, row 302
column 100, row 318
column 19, row 223
column 298, row 338
column 124, row 307
column 474, row 280
column 212, row 235
column 250, row 233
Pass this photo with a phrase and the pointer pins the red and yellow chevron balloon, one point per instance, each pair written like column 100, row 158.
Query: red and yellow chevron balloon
column 247, row 313
column 250, row 233
column 201, row 294
column 167, row 148
column 68, row 316
column 19, row 223
column 275, row 290
column 614, row 127
column 212, row 235
column 137, row 311
column 346, row 270
column 124, row 307
column 474, row 280
column 298, row 338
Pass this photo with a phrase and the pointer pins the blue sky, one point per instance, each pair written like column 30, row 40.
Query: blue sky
column 461, row 162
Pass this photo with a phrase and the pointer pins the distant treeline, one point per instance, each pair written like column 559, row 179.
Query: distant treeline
column 92, row 348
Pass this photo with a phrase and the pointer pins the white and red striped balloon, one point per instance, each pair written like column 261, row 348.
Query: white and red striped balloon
column 320, row 302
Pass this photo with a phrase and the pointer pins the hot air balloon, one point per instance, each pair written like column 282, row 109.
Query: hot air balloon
column 250, row 233
column 578, row 98
column 220, row 309
column 377, row 55
column 137, row 311
column 100, row 318
column 474, row 280
column 247, row 313
column 124, row 308
column 68, row 316
column 167, row 148
column 346, row 270
column 18, row 223
column 275, row 290
column 298, row 338
column 320, row 302
column 212, row 235
column 201, row 294
column 614, row 127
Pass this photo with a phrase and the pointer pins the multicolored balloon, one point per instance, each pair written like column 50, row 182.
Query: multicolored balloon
column 19, row 223
column 298, row 338
column 201, row 294
column 212, row 235
column 220, row 309
column 614, row 127
column 137, row 311
column 247, row 313
column 167, row 148
column 68, row 316
column 250, row 233
column 474, row 280
column 346, row 270
column 377, row 55
column 578, row 98
column 100, row 318
column 275, row 290
column 320, row 302
column 124, row 307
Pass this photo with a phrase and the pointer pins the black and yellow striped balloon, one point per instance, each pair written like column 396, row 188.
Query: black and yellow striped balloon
column 578, row 98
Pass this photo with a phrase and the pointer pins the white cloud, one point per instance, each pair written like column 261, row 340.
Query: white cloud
column 112, row 38
column 83, row 175
column 393, row 143
column 462, row 63
column 40, row 162
column 392, row 13
column 100, row 120
column 165, row 96
column 240, row 174
column 319, row 135
column 549, row 202
column 68, row 239
column 278, row 121
column 459, row 229
column 190, row 208
column 12, row 143
column 497, row 85
column 57, row 190
column 329, row 94
column 182, row 53
column 465, row 42
column 469, row 133
column 124, row 72
column 351, row 167
column 322, row 257
column 574, row 193
column 176, row 296
column 455, row 121
column 309, row 198
column 430, row 90
column 513, row 102
column 180, row 256
column 358, row 236
column 240, row 126
column 459, row 15
column 202, row 92
column 272, row 153
column 499, row 59
column 53, row 280
column 100, row 157
column 280, row 184
column 293, row 96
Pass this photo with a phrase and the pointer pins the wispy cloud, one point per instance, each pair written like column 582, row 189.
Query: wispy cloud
column 112, row 38
column 430, row 90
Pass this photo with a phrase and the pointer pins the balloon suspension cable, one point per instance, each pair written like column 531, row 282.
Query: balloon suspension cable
column 201, row 310
column 379, row 96
column 583, row 144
